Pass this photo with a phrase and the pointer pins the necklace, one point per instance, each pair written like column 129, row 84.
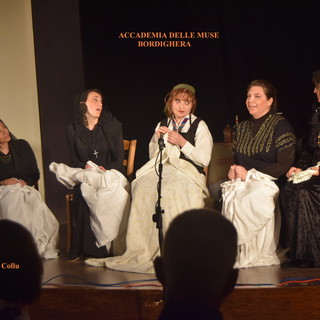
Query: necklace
column 5, row 158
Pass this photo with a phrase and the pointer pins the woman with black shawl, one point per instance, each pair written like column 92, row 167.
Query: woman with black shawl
column 19, row 201
column 96, row 136
column 301, row 194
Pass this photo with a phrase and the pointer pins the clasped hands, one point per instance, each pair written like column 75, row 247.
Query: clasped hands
column 174, row 137
column 12, row 181
column 87, row 166
column 236, row 171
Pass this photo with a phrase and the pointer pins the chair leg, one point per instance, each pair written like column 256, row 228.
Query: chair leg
column 69, row 199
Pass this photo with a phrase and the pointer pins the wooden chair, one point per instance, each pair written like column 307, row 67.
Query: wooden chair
column 130, row 152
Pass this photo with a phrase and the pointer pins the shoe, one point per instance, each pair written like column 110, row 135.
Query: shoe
column 74, row 260
column 100, row 253
column 73, row 257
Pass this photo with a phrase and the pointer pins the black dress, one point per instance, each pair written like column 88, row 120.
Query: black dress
column 104, row 146
column 301, row 202
column 20, row 163
column 266, row 144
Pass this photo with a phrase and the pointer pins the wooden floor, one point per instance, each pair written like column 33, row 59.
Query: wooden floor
column 73, row 290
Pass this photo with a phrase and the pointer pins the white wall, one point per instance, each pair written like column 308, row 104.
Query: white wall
column 18, row 88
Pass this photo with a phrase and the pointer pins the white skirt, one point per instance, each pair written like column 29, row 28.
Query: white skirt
column 252, row 206
column 25, row 206
column 180, row 192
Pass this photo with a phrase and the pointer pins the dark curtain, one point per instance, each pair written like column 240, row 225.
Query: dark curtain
column 263, row 39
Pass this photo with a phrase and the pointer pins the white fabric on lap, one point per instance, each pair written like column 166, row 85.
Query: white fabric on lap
column 303, row 175
column 252, row 206
column 183, row 188
column 107, row 194
column 25, row 206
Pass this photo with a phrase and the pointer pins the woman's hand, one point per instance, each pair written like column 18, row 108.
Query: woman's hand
column 100, row 167
column 176, row 138
column 292, row 171
column 316, row 169
column 162, row 130
column 12, row 181
column 22, row 182
column 241, row 172
column 232, row 172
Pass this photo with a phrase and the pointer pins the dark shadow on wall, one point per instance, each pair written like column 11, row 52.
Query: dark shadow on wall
column 60, row 77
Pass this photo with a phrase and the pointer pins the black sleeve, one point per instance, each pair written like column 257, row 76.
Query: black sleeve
column 285, row 159
column 285, row 146
column 25, row 161
column 72, row 142
column 308, row 147
column 117, row 150
column 304, row 154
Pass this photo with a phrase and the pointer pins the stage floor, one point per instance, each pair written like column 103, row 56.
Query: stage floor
column 61, row 272
column 74, row 290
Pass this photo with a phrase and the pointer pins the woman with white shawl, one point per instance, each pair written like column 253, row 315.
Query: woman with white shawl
column 186, row 144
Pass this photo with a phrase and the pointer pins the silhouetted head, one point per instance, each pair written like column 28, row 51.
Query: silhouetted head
column 20, row 264
column 199, row 252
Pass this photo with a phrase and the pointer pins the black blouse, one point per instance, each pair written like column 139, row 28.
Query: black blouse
column 266, row 144
column 103, row 145
column 309, row 147
column 23, row 163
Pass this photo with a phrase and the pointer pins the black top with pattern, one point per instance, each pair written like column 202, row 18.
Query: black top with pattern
column 266, row 144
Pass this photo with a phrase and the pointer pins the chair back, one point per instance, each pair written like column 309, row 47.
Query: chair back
column 130, row 152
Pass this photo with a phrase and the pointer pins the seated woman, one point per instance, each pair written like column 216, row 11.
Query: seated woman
column 96, row 136
column 301, row 196
column 19, row 201
column 187, row 150
column 264, row 148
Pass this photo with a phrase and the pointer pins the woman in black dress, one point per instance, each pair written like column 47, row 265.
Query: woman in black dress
column 95, row 135
column 263, row 149
column 19, row 201
column 301, row 201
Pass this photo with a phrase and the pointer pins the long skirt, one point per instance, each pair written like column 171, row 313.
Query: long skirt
column 301, row 205
column 252, row 206
column 101, row 207
column 25, row 205
column 179, row 193
column 83, row 238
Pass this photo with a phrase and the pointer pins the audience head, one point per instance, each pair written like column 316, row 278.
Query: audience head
column 316, row 81
column 269, row 91
column 181, row 91
column 199, row 252
column 83, row 105
column 20, row 264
